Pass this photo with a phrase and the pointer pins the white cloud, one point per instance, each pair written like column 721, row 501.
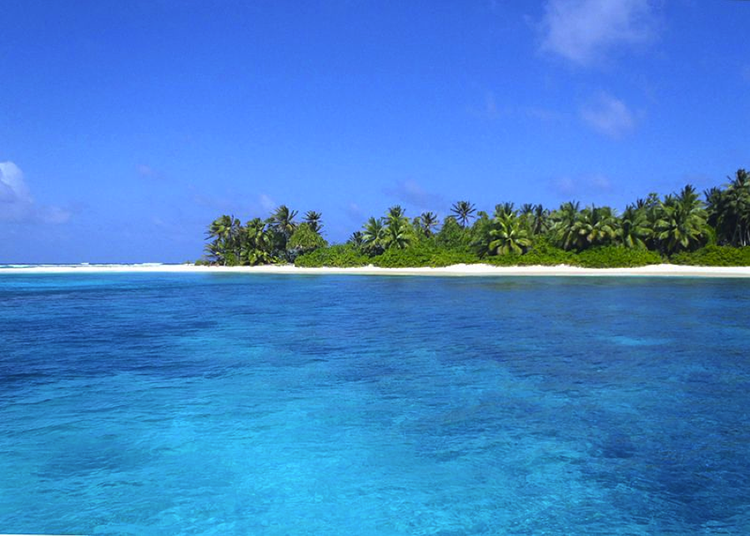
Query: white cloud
column 48, row 214
column 486, row 108
column 16, row 203
column 582, row 31
column 600, row 182
column 11, row 178
column 567, row 187
column 354, row 212
column 563, row 186
column 609, row 116
column 236, row 203
column 144, row 170
column 267, row 203
column 410, row 192
column 147, row 172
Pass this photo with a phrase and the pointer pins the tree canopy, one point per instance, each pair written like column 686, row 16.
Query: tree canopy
column 676, row 225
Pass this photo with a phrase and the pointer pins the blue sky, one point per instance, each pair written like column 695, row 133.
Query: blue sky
column 126, row 127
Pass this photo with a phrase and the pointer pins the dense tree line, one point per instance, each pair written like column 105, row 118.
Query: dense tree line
column 278, row 239
column 670, row 225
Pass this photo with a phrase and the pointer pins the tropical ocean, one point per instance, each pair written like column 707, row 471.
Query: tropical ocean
column 356, row 405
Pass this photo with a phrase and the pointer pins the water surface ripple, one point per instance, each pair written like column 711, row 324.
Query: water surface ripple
column 261, row 404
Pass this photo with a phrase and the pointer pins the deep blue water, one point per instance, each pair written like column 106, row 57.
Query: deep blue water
column 258, row 404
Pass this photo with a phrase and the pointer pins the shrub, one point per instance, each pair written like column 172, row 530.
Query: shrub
column 304, row 240
column 540, row 254
column 452, row 235
column 545, row 254
column 714, row 256
column 339, row 256
column 423, row 255
column 403, row 258
column 616, row 257
column 231, row 259
column 449, row 257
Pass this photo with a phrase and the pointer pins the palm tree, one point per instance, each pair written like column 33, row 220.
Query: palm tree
column 509, row 236
column 541, row 220
column 564, row 219
column 464, row 212
column 215, row 252
column 651, row 207
column 356, row 239
column 739, row 202
column 634, row 230
column 282, row 220
column 429, row 222
column 224, row 228
column 395, row 212
column 282, row 226
column 714, row 205
column 732, row 210
column 312, row 219
column 225, row 232
column 682, row 221
column 256, row 243
column 372, row 236
column 505, row 208
column 595, row 226
column 397, row 229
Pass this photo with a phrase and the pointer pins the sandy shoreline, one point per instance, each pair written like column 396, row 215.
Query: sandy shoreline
column 481, row 270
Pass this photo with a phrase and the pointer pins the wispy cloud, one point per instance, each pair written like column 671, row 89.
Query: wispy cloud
column 233, row 203
column 17, row 204
column 355, row 213
column 267, row 203
column 486, row 108
column 216, row 203
column 583, row 31
column 410, row 192
column 145, row 171
column 149, row 173
column 543, row 115
column 563, row 186
column 568, row 187
column 609, row 116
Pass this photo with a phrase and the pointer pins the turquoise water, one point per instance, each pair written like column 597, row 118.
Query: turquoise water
column 258, row 404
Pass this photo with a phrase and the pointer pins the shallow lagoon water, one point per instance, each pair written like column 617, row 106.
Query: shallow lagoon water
column 260, row 404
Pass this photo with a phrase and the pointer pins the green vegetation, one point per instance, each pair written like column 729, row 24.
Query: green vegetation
column 337, row 256
column 304, row 239
column 278, row 239
column 425, row 254
column 715, row 256
column 680, row 228
column 616, row 257
column 541, row 254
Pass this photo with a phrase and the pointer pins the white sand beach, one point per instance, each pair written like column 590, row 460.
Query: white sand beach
column 458, row 270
